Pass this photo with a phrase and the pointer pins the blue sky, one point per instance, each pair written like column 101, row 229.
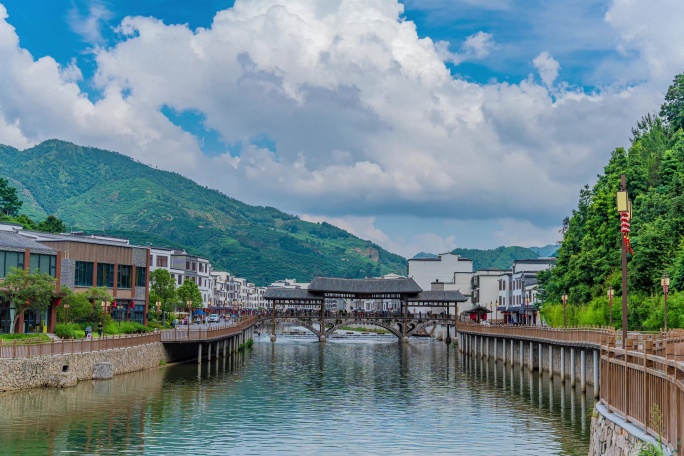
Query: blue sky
column 422, row 126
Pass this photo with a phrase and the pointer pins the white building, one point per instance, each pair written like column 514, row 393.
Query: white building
column 518, row 289
column 485, row 290
column 453, row 271
column 183, row 266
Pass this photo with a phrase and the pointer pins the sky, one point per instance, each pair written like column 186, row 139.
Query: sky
column 421, row 125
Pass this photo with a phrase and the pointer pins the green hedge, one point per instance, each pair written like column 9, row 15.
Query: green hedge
column 66, row 330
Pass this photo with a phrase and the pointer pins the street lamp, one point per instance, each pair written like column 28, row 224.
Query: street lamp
column 665, row 282
column 528, row 320
column 158, row 305
column 565, row 313
column 66, row 309
column 611, row 293
column 624, row 207
column 189, row 316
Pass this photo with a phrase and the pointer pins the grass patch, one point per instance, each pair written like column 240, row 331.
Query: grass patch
column 247, row 344
column 23, row 339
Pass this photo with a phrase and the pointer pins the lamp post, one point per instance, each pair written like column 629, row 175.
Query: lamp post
column 611, row 293
column 528, row 320
column 158, row 305
column 66, row 309
column 624, row 207
column 565, row 313
column 665, row 282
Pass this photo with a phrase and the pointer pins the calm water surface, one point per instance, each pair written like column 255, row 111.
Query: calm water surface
column 299, row 397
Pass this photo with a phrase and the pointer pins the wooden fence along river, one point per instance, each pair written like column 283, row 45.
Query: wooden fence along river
column 30, row 348
column 644, row 383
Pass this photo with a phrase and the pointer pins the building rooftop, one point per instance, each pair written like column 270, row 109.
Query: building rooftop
column 365, row 286
column 14, row 242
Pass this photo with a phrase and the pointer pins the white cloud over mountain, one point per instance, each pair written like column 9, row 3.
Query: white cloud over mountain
column 365, row 117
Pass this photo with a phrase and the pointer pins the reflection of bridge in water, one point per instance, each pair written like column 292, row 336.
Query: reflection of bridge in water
column 324, row 323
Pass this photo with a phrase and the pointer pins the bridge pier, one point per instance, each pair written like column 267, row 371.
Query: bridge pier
column 562, row 364
column 199, row 353
column 530, row 364
column 521, row 350
column 209, row 351
column 321, row 338
column 572, row 367
column 583, row 371
column 550, row 361
column 503, row 342
column 596, row 373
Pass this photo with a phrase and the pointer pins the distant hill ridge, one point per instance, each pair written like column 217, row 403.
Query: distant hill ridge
column 500, row 257
column 98, row 191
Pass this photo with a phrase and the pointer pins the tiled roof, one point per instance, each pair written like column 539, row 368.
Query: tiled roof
column 13, row 242
column 364, row 286
column 294, row 294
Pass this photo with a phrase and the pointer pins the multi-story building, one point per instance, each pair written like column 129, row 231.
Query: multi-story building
column 24, row 253
column 101, row 261
column 485, row 286
column 183, row 266
column 518, row 290
column 454, row 272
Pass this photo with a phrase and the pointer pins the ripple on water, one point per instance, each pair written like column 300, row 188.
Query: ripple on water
column 300, row 397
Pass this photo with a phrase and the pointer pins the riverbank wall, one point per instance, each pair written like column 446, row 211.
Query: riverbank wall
column 61, row 371
column 613, row 436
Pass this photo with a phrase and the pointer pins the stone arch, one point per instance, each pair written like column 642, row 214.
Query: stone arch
column 418, row 325
column 339, row 323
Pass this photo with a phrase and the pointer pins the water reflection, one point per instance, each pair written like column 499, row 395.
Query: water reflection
column 304, row 397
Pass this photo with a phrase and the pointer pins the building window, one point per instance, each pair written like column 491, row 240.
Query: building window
column 124, row 278
column 44, row 263
column 162, row 261
column 141, row 276
column 10, row 259
column 194, row 266
column 105, row 275
column 180, row 279
column 187, row 265
column 83, row 274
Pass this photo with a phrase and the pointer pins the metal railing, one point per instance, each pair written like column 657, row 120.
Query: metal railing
column 189, row 334
column 19, row 349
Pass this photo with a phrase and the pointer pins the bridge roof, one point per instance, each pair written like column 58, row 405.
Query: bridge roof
column 291, row 294
column 438, row 296
column 402, row 286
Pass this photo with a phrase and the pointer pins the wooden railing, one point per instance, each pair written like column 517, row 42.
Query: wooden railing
column 590, row 336
column 28, row 348
column 70, row 346
column 645, row 388
column 644, row 383
column 185, row 334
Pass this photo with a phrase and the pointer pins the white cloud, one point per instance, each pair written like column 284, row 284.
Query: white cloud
column 365, row 117
column 89, row 24
column 547, row 67
column 476, row 46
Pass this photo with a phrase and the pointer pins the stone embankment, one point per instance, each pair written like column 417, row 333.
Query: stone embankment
column 60, row 371
column 613, row 436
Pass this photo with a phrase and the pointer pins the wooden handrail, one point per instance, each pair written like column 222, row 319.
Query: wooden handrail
column 644, row 383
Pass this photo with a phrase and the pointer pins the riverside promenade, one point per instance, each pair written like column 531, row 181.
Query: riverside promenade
column 62, row 363
column 640, row 388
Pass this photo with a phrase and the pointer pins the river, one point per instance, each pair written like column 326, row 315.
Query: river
column 299, row 397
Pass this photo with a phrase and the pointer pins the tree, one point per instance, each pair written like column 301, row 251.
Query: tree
column 28, row 291
column 672, row 109
column 163, row 289
column 96, row 295
column 52, row 224
column 189, row 292
column 9, row 201
column 80, row 308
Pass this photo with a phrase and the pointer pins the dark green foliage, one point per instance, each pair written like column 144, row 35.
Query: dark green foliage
column 189, row 292
column 106, row 192
column 589, row 259
column 673, row 108
column 66, row 330
column 9, row 201
column 51, row 224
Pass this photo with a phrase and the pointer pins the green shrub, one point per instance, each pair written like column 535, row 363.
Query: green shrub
column 66, row 330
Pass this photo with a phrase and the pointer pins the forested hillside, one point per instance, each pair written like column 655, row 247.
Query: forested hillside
column 589, row 259
column 501, row 257
column 107, row 192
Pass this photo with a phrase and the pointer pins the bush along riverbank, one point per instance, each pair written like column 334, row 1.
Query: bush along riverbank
column 248, row 344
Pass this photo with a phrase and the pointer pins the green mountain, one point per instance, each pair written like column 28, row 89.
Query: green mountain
column 106, row 192
column 498, row 258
